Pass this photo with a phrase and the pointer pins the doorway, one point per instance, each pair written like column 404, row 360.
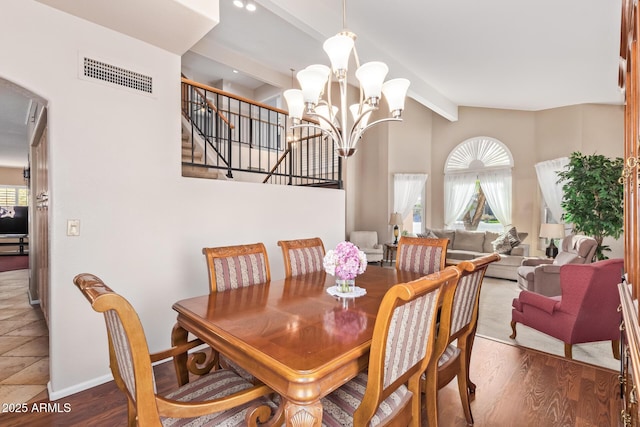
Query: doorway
column 24, row 337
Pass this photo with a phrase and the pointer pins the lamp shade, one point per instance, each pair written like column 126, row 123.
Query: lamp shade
column 371, row 77
column 395, row 92
column 552, row 231
column 312, row 80
column 338, row 48
column 295, row 102
column 395, row 219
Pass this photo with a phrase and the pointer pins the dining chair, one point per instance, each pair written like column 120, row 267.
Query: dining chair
column 302, row 256
column 388, row 392
column 232, row 267
column 220, row 397
column 456, row 334
column 421, row 254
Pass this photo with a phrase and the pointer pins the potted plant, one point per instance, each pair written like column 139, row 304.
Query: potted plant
column 593, row 197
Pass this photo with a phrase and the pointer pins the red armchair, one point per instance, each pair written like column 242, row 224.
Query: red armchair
column 586, row 310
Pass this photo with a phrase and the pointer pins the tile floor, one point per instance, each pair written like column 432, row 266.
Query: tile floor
column 24, row 342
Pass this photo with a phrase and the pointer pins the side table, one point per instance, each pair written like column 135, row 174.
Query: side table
column 390, row 252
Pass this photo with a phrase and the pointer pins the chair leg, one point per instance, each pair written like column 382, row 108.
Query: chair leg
column 513, row 328
column 463, row 387
column 567, row 351
column 431, row 396
column 615, row 346
column 470, row 384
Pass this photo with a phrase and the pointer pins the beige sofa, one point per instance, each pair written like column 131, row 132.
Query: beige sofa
column 466, row 245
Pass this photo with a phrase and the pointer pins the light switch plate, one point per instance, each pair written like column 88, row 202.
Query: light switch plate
column 73, row 227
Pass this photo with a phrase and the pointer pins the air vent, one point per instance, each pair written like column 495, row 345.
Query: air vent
column 98, row 70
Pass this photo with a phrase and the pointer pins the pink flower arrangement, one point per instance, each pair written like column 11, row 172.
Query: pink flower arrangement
column 345, row 262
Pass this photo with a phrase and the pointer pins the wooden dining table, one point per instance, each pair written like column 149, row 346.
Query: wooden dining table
column 291, row 334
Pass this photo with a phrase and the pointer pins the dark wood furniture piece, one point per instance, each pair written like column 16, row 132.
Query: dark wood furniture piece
column 20, row 242
column 286, row 333
column 628, row 78
column 390, row 250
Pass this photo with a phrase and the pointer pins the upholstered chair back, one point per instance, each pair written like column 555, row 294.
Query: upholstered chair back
column 452, row 353
column 232, row 267
column 125, row 334
column 421, row 255
column 302, row 256
column 465, row 301
column 408, row 350
column 227, row 398
column 388, row 392
column 576, row 249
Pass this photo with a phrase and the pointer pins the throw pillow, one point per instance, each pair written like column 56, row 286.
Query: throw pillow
column 502, row 245
column 429, row 235
column 514, row 239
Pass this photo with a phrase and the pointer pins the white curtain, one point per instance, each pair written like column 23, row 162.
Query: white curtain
column 406, row 190
column 458, row 190
column 552, row 194
column 496, row 186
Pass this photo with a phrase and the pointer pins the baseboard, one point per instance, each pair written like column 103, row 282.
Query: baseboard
column 55, row 395
column 31, row 300
column 59, row 394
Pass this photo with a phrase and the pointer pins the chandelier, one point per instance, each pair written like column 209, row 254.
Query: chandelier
column 333, row 119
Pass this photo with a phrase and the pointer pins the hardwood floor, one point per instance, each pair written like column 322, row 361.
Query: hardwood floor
column 515, row 387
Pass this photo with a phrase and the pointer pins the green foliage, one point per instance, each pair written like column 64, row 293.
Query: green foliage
column 593, row 197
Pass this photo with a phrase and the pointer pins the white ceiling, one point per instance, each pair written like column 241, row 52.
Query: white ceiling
column 494, row 53
column 513, row 54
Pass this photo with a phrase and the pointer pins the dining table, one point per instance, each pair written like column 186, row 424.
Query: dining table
column 292, row 334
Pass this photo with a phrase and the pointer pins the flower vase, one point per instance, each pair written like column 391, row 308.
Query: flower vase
column 345, row 286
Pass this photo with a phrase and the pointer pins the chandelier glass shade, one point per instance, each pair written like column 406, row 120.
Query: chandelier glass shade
column 316, row 81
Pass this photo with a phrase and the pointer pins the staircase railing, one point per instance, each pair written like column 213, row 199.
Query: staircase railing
column 247, row 139
column 310, row 160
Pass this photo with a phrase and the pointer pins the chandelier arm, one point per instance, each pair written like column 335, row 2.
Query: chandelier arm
column 357, row 134
column 332, row 133
column 335, row 132
column 361, row 117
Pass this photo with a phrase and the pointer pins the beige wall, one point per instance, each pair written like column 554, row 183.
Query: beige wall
column 11, row 176
column 144, row 245
column 422, row 143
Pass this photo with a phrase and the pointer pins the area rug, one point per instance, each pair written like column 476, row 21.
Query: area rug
column 494, row 321
column 14, row 262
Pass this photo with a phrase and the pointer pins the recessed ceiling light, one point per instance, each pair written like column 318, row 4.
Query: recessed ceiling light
column 235, row 71
column 238, row 3
column 251, row 6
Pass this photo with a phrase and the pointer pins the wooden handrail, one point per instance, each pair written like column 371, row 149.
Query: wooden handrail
column 229, row 95
column 213, row 107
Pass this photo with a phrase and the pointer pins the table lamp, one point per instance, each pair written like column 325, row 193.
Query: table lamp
column 396, row 221
column 551, row 232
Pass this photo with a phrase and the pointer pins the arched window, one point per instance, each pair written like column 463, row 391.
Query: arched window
column 477, row 185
